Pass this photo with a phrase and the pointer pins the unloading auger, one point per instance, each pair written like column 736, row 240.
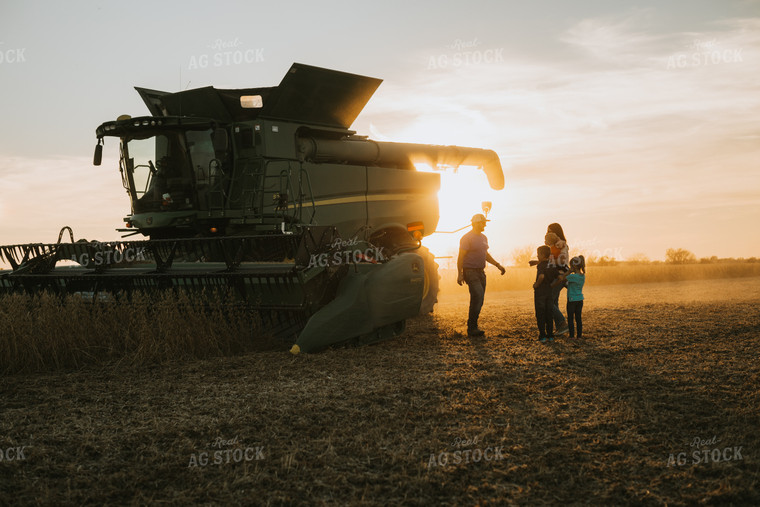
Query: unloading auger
column 265, row 192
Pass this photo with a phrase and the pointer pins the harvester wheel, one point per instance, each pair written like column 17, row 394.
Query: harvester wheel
column 432, row 279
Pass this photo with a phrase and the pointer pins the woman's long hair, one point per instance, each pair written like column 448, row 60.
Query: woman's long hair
column 556, row 229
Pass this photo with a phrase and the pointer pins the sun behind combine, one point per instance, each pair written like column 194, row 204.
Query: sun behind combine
column 265, row 192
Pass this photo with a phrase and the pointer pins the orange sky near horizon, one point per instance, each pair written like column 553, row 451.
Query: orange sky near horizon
column 634, row 126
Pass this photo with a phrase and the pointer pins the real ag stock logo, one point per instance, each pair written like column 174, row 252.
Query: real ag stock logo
column 224, row 452
column 349, row 251
column 705, row 52
column 464, row 451
column 107, row 253
column 464, row 53
column 12, row 55
column 225, row 53
column 12, row 453
column 706, row 451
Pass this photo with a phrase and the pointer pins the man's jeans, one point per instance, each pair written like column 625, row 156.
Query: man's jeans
column 476, row 281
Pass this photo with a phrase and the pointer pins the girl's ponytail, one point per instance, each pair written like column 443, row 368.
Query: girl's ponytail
column 579, row 262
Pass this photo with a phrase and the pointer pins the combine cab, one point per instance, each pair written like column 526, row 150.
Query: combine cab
column 265, row 192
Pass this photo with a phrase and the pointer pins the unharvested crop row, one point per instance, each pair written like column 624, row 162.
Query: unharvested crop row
column 45, row 332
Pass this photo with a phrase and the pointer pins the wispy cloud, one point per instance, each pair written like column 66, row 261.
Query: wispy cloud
column 614, row 40
column 645, row 133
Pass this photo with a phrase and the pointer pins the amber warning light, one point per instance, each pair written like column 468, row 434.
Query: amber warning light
column 251, row 102
column 416, row 229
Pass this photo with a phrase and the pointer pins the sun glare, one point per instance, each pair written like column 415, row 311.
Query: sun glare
column 462, row 194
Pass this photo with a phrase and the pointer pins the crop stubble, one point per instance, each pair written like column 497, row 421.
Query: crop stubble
column 588, row 421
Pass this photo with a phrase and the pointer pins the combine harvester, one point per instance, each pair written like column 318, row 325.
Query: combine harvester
column 266, row 193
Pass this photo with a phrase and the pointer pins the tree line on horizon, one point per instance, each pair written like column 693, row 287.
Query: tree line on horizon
column 522, row 256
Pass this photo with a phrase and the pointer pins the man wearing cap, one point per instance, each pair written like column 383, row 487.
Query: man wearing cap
column 471, row 265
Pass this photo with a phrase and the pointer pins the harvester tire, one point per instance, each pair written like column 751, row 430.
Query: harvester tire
column 432, row 281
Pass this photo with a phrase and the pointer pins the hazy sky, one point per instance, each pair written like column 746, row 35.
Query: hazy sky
column 633, row 124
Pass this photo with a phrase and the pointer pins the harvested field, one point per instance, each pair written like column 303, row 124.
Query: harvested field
column 631, row 414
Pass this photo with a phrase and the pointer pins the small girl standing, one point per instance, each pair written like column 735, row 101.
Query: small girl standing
column 575, row 280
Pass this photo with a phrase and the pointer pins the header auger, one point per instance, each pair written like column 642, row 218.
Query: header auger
column 265, row 192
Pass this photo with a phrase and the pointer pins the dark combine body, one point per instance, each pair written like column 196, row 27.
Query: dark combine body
column 265, row 192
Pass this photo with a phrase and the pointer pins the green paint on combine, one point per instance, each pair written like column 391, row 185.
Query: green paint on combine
column 266, row 192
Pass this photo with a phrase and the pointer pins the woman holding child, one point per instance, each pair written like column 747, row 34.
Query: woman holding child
column 547, row 278
column 555, row 239
column 553, row 273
